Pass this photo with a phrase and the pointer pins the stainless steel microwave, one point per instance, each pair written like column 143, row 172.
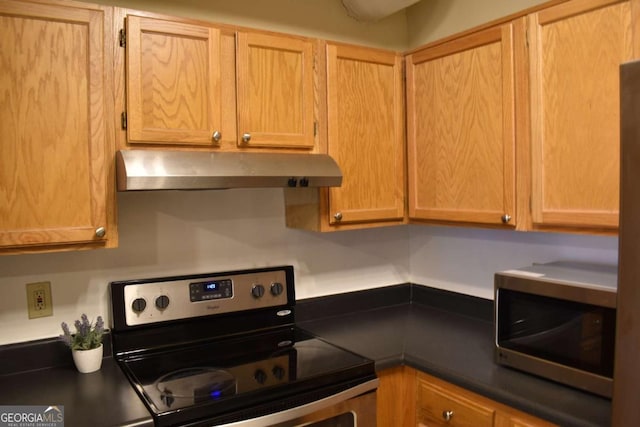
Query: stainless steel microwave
column 558, row 321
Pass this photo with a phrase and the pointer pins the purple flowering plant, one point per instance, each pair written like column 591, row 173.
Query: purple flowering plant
column 87, row 335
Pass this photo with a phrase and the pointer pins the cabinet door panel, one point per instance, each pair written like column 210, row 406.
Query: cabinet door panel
column 461, row 129
column 52, row 125
column 575, row 52
column 275, row 91
column 366, row 134
column 440, row 407
column 173, row 82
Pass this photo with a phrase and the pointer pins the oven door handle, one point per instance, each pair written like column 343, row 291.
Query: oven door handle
column 306, row 409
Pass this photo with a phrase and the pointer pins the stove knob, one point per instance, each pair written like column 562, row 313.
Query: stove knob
column 138, row 305
column 278, row 372
column 257, row 291
column 276, row 289
column 260, row 376
column 162, row 302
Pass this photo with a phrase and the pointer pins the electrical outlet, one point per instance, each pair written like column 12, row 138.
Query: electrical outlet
column 39, row 303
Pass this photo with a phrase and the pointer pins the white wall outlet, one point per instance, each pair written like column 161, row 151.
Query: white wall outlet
column 39, row 302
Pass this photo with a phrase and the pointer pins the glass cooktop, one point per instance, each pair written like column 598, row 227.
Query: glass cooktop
column 226, row 375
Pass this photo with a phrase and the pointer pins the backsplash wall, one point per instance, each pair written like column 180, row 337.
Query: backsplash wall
column 464, row 260
column 169, row 233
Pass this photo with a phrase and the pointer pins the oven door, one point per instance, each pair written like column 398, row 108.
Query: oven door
column 355, row 407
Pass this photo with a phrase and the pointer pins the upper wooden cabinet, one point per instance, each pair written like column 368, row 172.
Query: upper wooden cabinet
column 460, row 129
column 576, row 49
column 365, row 135
column 275, row 89
column 173, row 82
column 366, row 131
column 189, row 83
column 55, row 137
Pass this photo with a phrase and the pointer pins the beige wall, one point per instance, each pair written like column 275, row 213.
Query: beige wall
column 325, row 19
column 424, row 22
column 430, row 20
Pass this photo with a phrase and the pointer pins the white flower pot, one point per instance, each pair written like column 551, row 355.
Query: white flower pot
column 88, row 360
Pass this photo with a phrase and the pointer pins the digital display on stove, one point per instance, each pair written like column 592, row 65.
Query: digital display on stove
column 210, row 286
column 211, row 289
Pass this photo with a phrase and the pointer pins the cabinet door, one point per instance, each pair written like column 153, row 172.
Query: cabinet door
column 440, row 406
column 53, row 141
column 460, row 129
column 275, row 91
column 173, row 83
column 576, row 49
column 365, row 128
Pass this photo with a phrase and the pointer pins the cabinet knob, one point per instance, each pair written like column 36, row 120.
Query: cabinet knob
column 246, row 137
column 100, row 232
column 447, row 415
column 217, row 136
column 506, row 218
column 338, row 216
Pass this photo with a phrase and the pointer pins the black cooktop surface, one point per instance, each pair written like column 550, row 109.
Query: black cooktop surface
column 220, row 378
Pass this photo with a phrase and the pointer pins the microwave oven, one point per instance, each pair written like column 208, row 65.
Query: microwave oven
column 558, row 321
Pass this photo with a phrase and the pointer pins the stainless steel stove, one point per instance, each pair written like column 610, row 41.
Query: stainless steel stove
column 223, row 349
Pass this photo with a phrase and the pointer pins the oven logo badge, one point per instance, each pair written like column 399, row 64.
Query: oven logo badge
column 31, row 416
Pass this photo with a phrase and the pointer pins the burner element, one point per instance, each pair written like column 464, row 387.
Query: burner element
column 195, row 384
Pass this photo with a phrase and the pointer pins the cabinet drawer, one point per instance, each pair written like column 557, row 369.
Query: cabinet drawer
column 438, row 407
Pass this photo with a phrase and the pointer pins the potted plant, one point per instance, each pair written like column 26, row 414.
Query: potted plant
column 85, row 343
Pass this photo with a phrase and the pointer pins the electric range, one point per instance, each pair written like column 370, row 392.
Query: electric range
column 223, row 349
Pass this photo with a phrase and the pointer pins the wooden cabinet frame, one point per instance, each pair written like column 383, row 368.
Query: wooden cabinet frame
column 503, row 35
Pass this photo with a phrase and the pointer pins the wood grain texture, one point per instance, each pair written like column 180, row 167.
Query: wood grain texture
column 52, row 124
column 397, row 397
column 469, row 409
column 365, row 106
column 275, row 87
column 173, row 82
column 575, row 52
column 460, row 130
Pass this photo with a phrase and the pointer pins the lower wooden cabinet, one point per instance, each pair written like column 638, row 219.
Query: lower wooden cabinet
column 396, row 397
column 438, row 404
column 407, row 397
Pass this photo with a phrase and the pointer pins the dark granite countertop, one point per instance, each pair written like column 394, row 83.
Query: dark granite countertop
column 42, row 373
column 450, row 337
column 443, row 334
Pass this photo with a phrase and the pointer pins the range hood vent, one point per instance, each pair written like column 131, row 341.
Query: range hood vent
column 200, row 170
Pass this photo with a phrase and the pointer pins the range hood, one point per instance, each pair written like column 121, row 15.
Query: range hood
column 139, row 170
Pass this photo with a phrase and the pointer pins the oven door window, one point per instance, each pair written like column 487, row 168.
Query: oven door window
column 574, row 334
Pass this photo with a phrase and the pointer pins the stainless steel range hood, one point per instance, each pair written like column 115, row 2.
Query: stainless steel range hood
column 189, row 170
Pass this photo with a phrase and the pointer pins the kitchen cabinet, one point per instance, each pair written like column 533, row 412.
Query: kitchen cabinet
column 189, row 83
column 396, row 402
column 461, row 97
column 56, row 136
column 408, row 397
column 275, row 86
column 575, row 49
column 365, row 135
column 442, row 404
column 174, row 83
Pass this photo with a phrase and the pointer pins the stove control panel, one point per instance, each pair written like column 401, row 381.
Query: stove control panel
column 163, row 300
column 211, row 289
